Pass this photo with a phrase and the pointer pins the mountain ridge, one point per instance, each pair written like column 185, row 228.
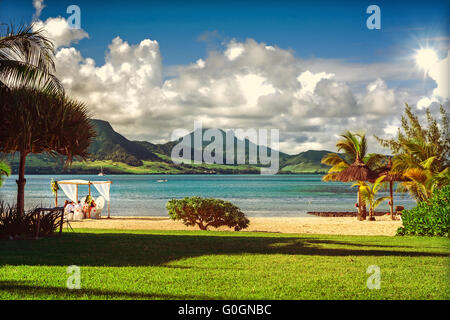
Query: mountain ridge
column 114, row 153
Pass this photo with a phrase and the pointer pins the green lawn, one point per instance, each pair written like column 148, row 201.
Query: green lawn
column 223, row 265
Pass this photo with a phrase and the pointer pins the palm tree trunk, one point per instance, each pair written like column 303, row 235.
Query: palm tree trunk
column 391, row 206
column 21, row 184
column 361, row 213
column 361, row 208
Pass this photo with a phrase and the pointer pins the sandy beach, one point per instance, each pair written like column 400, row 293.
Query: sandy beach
column 309, row 225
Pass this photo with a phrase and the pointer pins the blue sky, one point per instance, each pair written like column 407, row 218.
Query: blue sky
column 311, row 69
column 325, row 29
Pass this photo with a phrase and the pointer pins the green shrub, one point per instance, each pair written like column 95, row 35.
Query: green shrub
column 207, row 212
column 14, row 225
column 429, row 218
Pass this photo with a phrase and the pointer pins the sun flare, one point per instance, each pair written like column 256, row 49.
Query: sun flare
column 426, row 58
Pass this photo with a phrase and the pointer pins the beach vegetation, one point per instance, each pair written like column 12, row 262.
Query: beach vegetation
column 354, row 148
column 15, row 224
column 421, row 153
column 368, row 193
column 429, row 218
column 207, row 212
column 5, row 171
column 37, row 117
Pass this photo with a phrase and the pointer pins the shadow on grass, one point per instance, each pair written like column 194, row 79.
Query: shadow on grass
column 24, row 288
column 128, row 249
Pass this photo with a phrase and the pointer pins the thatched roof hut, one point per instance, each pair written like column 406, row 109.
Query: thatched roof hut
column 357, row 171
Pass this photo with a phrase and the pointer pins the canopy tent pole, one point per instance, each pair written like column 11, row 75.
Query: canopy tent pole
column 56, row 197
column 108, row 211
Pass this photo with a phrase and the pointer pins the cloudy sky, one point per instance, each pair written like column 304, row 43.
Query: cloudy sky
column 309, row 69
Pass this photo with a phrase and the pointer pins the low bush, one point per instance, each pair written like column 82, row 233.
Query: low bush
column 20, row 226
column 207, row 212
column 428, row 218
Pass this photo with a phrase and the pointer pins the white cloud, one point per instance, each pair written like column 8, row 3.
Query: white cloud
column 440, row 73
column 248, row 85
column 59, row 31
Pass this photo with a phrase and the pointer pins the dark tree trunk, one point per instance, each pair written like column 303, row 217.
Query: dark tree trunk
column 201, row 225
column 21, row 184
column 392, row 200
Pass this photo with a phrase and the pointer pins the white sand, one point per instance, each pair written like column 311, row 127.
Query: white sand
column 313, row 225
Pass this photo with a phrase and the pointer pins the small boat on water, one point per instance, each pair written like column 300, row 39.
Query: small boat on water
column 101, row 174
column 161, row 180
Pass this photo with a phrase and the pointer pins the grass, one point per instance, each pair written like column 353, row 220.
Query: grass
column 223, row 265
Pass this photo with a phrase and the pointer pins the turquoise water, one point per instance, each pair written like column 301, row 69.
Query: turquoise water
column 256, row 195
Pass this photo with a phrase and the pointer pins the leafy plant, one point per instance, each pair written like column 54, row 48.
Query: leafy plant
column 14, row 225
column 207, row 212
column 369, row 192
column 54, row 186
column 428, row 218
column 5, row 170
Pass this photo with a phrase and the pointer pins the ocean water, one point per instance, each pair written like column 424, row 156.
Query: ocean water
column 256, row 195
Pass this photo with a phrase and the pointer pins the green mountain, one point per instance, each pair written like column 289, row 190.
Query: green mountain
column 113, row 153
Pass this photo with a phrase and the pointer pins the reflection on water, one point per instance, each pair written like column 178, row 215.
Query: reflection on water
column 256, row 195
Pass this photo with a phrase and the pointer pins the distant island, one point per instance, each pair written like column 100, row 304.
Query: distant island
column 112, row 153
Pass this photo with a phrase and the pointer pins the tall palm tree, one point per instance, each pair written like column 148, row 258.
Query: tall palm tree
column 37, row 121
column 5, row 170
column 27, row 72
column 26, row 58
column 353, row 146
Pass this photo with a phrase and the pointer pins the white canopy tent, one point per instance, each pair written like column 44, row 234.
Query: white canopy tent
column 70, row 189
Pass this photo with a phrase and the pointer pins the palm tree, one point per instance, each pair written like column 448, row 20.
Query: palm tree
column 5, row 170
column 423, row 176
column 26, row 59
column 369, row 192
column 354, row 146
column 40, row 121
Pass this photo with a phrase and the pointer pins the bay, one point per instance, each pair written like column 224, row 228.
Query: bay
column 256, row 195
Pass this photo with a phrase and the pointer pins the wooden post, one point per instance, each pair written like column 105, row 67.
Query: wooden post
column 392, row 200
column 108, row 211
column 56, row 198
column 62, row 222
column 38, row 222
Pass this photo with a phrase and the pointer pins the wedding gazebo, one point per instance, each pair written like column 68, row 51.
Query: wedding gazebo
column 70, row 189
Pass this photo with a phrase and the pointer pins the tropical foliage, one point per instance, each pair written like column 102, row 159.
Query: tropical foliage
column 368, row 193
column 421, row 153
column 353, row 146
column 37, row 117
column 26, row 59
column 207, row 212
column 15, row 224
column 429, row 218
column 5, row 171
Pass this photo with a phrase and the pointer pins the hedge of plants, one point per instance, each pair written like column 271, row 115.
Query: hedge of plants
column 207, row 212
column 428, row 218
